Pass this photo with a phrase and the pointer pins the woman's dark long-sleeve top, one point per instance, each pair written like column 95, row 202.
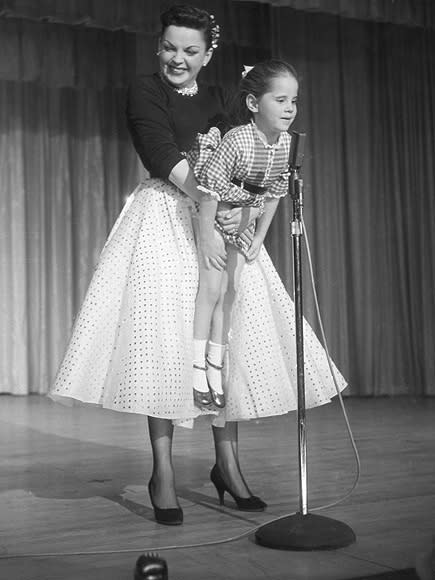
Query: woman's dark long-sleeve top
column 163, row 124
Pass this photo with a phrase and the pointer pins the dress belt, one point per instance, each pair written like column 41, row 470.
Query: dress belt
column 255, row 189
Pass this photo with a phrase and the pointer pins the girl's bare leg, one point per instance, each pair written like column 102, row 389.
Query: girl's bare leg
column 162, row 481
column 209, row 292
column 210, row 282
column 221, row 321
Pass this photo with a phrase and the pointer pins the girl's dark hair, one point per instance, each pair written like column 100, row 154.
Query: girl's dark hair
column 257, row 82
column 191, row 17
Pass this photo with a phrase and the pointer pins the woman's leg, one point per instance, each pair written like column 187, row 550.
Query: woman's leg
column 227, row 458
column 162, row 481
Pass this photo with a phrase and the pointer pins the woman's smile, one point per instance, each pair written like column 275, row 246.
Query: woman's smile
column 176, row 69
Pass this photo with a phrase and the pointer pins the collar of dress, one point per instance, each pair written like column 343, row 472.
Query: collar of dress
column 260, row 135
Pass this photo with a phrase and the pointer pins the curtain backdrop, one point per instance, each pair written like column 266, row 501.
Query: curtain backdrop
column 367, row 106
column 409, row 12
column 143, row 15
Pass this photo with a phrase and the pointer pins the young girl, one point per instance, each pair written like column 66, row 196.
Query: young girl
column 248, row 167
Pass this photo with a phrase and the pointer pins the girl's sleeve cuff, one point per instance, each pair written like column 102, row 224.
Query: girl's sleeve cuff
column 209, row 192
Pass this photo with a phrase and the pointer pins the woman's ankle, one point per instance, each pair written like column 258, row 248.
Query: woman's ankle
column 233, row 477
column 162, row 488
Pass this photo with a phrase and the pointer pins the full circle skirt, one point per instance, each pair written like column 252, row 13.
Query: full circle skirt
column 131, row 346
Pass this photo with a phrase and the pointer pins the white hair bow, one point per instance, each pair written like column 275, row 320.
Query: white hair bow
column 246, row 70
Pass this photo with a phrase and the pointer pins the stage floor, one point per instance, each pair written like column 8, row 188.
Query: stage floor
column 74, row 504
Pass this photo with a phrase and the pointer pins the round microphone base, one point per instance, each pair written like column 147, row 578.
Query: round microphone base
column 305, row 532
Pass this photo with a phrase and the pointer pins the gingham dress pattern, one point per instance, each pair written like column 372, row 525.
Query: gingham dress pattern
column 242, row 154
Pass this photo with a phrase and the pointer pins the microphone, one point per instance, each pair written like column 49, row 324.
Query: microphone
column 150, row 566
column 296, row 155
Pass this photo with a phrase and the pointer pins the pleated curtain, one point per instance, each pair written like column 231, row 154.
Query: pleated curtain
column 368, row 108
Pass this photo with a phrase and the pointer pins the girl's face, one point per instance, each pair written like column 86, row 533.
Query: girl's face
column 276, row 110
column 182, row 54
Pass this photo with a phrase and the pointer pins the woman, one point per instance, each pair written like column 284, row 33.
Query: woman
column 131, row 348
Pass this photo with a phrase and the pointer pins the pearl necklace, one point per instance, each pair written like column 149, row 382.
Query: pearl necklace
column 185, row 91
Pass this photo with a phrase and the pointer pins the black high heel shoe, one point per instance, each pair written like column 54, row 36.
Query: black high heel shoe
column 166, row 516
column 248, row 504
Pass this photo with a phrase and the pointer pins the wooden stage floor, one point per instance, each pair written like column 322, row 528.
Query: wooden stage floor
column 74, row 505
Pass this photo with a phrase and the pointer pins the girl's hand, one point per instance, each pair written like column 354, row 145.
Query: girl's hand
column 236, row 219
column 212, row 252
column 254, row 250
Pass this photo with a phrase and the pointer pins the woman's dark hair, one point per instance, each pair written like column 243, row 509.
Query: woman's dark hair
column 191, row 17
column 257, row 82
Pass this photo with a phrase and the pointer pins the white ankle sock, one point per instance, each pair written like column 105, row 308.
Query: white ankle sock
column 215, row 355
column 199, row 376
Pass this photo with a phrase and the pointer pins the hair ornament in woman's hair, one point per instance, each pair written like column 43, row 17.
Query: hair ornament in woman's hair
column 246, row 70
column 214, row 31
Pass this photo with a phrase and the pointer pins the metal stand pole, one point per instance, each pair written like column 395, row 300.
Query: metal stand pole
column 296, row 193
column 302, row 531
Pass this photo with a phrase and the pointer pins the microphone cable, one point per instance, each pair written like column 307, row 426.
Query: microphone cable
column 340, row 397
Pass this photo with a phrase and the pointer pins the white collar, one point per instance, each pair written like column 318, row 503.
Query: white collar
column 263, row 139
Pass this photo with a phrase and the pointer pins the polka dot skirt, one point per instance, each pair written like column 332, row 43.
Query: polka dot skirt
column 131, row 346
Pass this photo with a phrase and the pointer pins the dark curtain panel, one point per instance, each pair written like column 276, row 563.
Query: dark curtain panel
column 408, row 12
column 368, row 106
column 143, row 15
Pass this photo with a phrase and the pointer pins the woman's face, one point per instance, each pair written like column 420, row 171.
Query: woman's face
column 182, row 54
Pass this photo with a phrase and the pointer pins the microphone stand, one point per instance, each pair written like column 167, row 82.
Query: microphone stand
column 303, row 530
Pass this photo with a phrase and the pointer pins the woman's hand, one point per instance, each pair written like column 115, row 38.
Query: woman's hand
column 248, row 235
column 237, row 219
column 212, row 252
column 254, row 249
